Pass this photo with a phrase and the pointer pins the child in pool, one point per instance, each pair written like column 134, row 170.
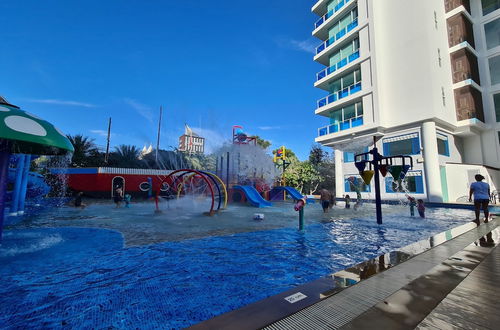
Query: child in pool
column 421, row 208
column 412, row 203
column 347, row 201
column 127, row 199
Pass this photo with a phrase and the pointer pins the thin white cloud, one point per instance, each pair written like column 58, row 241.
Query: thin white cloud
column 101, row 132
column 142, row 109
column 307, row 45
column 213, row 139
column 268, row 128
column 63, row 102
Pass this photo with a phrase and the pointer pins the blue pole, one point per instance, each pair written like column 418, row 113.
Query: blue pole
column 4, row 167
column 17, row 185
column 24, row 184
column 150, row 190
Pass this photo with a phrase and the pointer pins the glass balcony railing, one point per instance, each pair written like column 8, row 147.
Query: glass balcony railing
column 337, row 36
column 339, row 95
column 330, row 13
column 343, row 62
column 341, row 126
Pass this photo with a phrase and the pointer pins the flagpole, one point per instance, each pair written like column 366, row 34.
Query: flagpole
column 158, row 140
column 106, row 156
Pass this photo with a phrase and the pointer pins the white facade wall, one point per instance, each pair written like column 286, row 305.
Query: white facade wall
column 409, row 79
column 407, row 85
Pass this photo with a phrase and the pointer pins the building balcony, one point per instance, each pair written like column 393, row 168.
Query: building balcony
column 341, row 126
column 336, row 37
column 320, row 7
column 329, row 14
column 339, row 95
column 342, row 63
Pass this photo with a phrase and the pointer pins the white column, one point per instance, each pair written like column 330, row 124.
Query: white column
column 339, row 174
column 431, row 162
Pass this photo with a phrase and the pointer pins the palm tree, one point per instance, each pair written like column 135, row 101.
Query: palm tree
column 85, row 153
column 126, row 156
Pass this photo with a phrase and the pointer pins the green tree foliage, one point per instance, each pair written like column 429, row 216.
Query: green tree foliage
column 317, row 155
column 310, row 176
column 325, row 166
column 303, row 176
column 261, row 142
column 86, row 153
column 125, row 156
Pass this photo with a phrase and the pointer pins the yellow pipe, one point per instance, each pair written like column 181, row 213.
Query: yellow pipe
column 179, row 188
column 184, row 179
column 223, row 187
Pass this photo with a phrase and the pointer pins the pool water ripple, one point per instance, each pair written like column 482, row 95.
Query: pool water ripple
column 89, row 279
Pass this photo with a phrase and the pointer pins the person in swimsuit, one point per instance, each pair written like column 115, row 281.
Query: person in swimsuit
column 118, row 196
column 325, row 198
column 481, row 192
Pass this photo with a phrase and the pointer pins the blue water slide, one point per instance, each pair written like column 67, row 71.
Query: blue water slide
column 36, row 185
column 294, row 193
column 253, row 196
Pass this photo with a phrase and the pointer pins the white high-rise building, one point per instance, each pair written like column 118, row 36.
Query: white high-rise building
column 423, row 76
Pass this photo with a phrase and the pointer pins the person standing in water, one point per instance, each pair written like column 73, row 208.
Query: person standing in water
column 412, row 202
column 347, row 201
column 118, row 196
column 421, row 208
column 481, row 192
column 325, row 198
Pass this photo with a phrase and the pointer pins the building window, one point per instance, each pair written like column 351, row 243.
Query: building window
column 348, row 157
column 442, row 143
column 490, row 6
column 496, row 101
column 342, row 56
column 346, row 113
column 491, row 33
column 360, row 183
column 495, row 69
column 408, row 144
column 349, row 79
column 339, row 29
column 412, row 183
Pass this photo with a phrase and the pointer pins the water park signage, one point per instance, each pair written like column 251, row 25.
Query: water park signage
column 295, row 297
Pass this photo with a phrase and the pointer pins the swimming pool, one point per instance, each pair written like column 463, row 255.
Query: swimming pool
column 104, row 267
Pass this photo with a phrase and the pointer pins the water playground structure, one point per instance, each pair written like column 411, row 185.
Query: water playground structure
column 25, row 134
column 397, row 166
column 250, row 174
column 186, row 181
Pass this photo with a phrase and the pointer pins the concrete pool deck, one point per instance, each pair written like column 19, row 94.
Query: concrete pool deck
column 449, row 285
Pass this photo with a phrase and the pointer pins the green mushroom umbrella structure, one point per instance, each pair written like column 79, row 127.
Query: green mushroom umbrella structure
column 22, row 132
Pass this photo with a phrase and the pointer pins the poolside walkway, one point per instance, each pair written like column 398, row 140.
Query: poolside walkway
column 450, row 286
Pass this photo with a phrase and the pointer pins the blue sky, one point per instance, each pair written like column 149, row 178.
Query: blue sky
column 210, row 64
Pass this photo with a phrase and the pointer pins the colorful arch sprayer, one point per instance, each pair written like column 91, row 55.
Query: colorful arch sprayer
column 180, row 177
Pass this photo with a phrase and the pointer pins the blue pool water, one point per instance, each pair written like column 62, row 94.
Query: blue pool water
column 86, row 271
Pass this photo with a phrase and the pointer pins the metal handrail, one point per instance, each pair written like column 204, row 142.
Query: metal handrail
column 337, row 36
column 325, row 130
column 343, row 62
column 338, row 95
column 330, row 13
